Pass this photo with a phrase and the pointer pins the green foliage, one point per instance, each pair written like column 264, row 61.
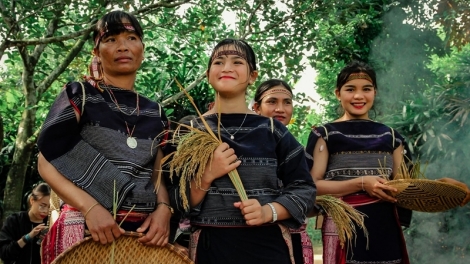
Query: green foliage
column 454, row 17
column 436, row 125
column 314, row 234
column 178, row 53
column 345, row 33
column 436, row 121
column 426, row 100
column 303, row 119
column 47, row 44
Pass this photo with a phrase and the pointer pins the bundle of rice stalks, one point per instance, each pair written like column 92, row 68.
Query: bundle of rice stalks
column 344, row 216
column 195, row 149
column 410, row 170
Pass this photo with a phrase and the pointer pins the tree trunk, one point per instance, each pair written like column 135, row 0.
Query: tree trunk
column 23, row 150
column 1, row 132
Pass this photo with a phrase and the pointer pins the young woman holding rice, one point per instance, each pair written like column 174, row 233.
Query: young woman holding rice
column 353, row 157
column 268, row 160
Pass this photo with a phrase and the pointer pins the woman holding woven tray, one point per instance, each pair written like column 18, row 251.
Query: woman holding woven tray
column 98, row 147
column 353, row 158
column 268, row 159
column 273, row 98
column 21, row 232
column 350, row 157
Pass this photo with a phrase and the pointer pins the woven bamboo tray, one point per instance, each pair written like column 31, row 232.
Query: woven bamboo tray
column 127, row 250
column 427, row 195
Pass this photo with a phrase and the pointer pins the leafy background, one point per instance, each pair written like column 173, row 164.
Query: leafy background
column 419, row 49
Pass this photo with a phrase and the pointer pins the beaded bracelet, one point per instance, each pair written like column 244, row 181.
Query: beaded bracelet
column 26, row 238
column 273, row 209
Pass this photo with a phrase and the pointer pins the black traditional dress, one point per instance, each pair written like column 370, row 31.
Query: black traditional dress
column 273, row 169
column 362, row 148
column 111, row 150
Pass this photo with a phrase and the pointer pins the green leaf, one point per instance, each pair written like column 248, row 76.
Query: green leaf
column 431, row 133
column 10, row 98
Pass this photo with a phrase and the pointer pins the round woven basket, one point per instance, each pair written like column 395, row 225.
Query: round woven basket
column 126, row 250
column 427, row 195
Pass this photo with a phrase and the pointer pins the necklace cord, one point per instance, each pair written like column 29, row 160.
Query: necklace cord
column 219, row 118
column 232, row 136
column 131, row 142
column 115, row 101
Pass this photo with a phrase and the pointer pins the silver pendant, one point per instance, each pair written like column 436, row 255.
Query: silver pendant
column 232, row 137
column 131, row 142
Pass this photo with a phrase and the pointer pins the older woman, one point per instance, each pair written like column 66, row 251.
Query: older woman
column 99, row 141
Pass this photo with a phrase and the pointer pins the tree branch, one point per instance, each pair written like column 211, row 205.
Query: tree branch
column 34, row 11
column 44, row 85
column 274, row 25
column 13, row 24
column 73, row 52
column 51, row 29
column 246, row 27
column 285, row 19
column 2, row 49
column 162, row 3
column 4, row 13
column 48, row 40
column 33, row 138
column 9, row 22
column 23, row 51
column 187, row 89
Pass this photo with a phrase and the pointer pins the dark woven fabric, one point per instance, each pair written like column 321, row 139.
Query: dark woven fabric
column 356, row 147
column 297, row 248
column 93, row 153
column 273, row 169
column 384, row 244
column 253, row 245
